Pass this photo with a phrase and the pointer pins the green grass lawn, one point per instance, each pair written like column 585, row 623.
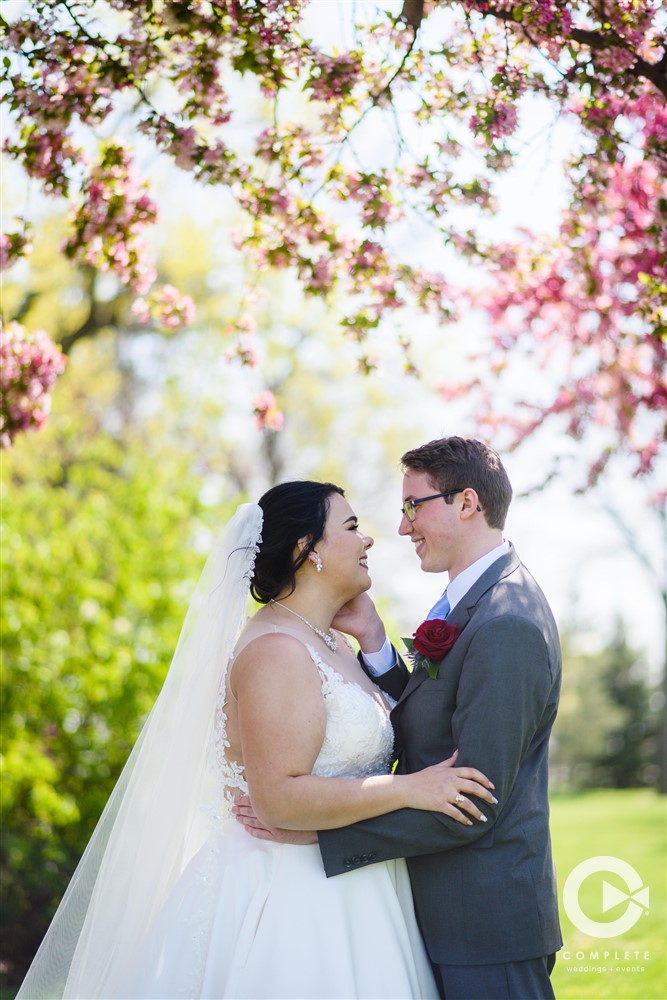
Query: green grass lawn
column 632, row 826
column 629, row 825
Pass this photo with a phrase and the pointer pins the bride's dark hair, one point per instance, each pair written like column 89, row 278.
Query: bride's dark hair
column 291, row 511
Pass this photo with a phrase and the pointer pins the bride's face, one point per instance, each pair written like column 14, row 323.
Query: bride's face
column 344, row 550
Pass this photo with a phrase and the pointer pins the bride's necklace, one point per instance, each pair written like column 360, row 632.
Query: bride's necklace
column 328, row 637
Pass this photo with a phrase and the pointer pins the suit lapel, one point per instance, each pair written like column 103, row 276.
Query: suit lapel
column 461, row 614
column 496, row 572
column 417, row 677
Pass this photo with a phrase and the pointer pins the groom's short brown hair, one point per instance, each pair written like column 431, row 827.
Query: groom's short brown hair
column 460, row 462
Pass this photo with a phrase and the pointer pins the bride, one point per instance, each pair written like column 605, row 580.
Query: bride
column 172, row 897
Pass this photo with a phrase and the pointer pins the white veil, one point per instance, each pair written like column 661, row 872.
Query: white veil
column 165, row 800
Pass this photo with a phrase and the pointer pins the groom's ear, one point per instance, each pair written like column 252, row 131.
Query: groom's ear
column 471, row 503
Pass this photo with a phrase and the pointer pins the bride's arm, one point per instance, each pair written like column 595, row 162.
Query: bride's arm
column 282, row 722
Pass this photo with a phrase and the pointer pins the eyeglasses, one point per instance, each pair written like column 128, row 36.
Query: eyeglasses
column 409, row 507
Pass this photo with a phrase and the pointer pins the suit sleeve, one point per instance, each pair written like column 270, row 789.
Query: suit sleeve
column 392, row 681
column 501, row 705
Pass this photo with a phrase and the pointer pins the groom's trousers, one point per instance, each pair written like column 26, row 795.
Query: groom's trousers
column 528, row 980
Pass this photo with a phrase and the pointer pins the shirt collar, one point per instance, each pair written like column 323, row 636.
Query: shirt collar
column 462, row 583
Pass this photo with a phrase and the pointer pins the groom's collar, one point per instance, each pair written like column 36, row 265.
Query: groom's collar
column 468, row 577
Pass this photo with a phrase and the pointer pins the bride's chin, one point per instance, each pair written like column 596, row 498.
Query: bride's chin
column 361, row 588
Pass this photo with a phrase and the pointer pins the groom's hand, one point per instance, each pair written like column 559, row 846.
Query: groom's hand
column 243, row 811
column 359, row 618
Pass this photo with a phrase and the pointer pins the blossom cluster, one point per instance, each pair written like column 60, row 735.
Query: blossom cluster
column 267, row 415
column 166, row 307
column 107, row 223
column 47, row 155
column 334, row 77
column 294, row 148
column 30, row 363
column 325, row 206
column 600, row 282
column 13, row 246
column 495, row 119
column 372, row 191
column 210, row 162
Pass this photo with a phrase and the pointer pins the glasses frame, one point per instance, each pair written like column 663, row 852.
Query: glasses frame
column 408, row 507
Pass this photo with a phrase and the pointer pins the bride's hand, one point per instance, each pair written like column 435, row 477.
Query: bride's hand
column 446, row 789
column 359, row 618
column 245, row 815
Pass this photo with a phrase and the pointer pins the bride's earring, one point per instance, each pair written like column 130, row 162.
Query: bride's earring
column 318, row 563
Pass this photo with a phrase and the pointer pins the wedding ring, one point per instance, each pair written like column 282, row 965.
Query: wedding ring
column 459, row 798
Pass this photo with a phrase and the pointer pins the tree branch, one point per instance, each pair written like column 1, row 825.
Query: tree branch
column 100, row 314
column 655, row 73
column 26, row 304
column 598, row 41
column 412, row 13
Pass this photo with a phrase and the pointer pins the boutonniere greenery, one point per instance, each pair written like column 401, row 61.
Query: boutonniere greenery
column 430, row 642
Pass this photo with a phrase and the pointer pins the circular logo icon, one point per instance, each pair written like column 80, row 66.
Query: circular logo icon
column 636, row 897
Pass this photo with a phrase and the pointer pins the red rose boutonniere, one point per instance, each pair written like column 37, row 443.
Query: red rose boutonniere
column 430, row 642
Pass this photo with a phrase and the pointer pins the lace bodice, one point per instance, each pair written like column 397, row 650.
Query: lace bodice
column 358, row 739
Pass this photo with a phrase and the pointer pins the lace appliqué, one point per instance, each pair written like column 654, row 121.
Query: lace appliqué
column 359, row 740
column 231, row 774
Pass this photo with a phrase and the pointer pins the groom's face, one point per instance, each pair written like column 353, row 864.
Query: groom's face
column 435, row 531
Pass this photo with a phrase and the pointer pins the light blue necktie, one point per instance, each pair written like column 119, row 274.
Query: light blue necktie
column 440, row 609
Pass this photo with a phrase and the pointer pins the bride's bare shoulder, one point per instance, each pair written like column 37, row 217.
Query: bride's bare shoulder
column 268, row 641
column 272, row 655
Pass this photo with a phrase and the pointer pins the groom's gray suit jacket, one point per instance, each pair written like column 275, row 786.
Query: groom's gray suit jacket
column 484, row 894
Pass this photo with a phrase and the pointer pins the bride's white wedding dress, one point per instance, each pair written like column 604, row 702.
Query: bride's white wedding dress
column 172, row 898
column 249, row 918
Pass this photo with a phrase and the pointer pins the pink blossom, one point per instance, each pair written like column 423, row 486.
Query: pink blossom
column 244, row 351
column 405, row 100
column 141, row 309
column 168, row 308
column 267, row 415
column 13, row 246
column 334, row 77
column 246, row 322
column 495, row 119
column 29, row 366
column 107, row 223
column 322, row 274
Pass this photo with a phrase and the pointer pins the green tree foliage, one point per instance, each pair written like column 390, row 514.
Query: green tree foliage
column 106, row 524
column 98, row 560
column 606, row 731
column 629, row 756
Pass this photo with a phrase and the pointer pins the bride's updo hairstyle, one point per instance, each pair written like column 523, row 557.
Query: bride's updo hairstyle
column 291, row 511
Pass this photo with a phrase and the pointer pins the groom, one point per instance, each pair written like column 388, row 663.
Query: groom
column 485, row 895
